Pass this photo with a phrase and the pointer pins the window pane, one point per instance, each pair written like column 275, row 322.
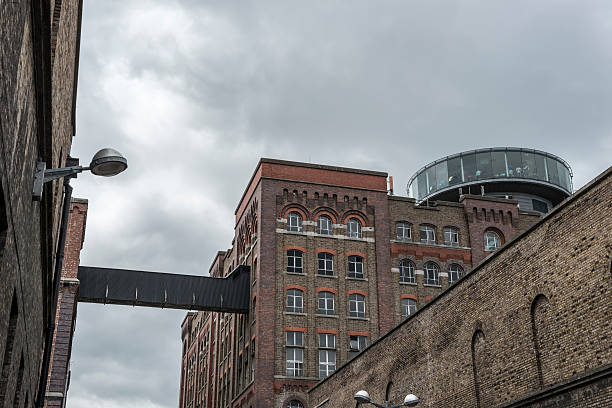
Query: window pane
column 431, row 179
column 483, row 165
column 454, row 171
column 441, row 175
column 469, row 167
column 498, row 163
column 515, row 163
column 422, row 183
column 563, row 176
column 540, row 166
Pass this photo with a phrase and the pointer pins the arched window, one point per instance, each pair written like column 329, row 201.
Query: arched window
column 355, row 267
column 294, row 261
column 325, row 302
column 295, row 301
column 356, row 305
column 325, row 264
column 295, row 404
column 492, row 241
column 294, row 222
column 353, row 228
column 408, row 307
column 431, row 273
column 428, row 234
column 406, row 272
column 455, row 272
column 451, row 236
column 404, row 232
column 324, row 225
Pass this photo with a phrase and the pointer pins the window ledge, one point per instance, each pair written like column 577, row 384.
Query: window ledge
column 432, row 286
column 296, row 273
column 325, row 315
column 295, row 314
column 409, row 283
column 327, row 276
column 357, row 279
column 358, row 318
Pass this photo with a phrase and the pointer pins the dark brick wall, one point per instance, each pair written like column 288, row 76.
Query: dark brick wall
column 531, row 317
column 27, row 133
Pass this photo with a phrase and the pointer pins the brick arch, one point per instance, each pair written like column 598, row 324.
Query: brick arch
column 298, row 287
column 357, row 291
column 541, row 328
column 355, row 214
column 326, row 211
column 294, row 398
column 300, row 209
column 408, row 296
column 498, row 232
column 355, row 253
column 326, row 289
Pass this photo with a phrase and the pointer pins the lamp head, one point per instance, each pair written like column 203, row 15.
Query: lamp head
column 108, row 162
column 362, row 396
column 411, row 400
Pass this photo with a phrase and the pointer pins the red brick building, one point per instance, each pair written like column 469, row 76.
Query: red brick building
column 336, row 262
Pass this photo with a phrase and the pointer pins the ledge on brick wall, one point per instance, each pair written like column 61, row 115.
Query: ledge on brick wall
column 358, row 318
column 324, row 315
column 356, row 279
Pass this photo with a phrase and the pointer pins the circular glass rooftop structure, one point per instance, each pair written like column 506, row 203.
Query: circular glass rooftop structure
column 522, row 174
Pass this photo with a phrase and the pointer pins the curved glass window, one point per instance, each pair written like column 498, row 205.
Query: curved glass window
column 454, row 171
column 492, row 241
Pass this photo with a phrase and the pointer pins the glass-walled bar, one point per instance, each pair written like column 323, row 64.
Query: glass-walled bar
column 487, row 164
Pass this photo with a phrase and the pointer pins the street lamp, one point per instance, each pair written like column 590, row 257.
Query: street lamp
column 363, row 397
column 107, row 162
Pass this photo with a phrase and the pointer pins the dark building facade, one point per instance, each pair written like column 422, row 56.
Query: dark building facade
column 337, row 261
column 528, row 327
column 39, row 48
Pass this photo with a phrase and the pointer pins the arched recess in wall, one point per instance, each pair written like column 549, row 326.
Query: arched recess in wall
column 479, row 366
column 541, row 332
column 3, row 221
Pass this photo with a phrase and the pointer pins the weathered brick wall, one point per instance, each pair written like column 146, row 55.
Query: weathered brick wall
column 535, row 314
column 30, row 229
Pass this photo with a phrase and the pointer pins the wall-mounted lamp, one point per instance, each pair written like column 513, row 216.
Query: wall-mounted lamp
column 107, row 162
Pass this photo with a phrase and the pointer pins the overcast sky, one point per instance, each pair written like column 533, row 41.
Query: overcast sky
column 193, row 93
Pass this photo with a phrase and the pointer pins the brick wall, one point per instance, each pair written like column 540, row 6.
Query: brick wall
column 533, row 318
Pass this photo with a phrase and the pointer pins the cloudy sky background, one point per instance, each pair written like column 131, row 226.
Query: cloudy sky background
column 193, row 93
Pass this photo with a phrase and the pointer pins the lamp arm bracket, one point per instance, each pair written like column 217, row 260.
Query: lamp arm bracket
column 43, row 175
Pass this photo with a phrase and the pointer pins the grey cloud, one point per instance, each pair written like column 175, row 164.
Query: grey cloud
column 193, row 93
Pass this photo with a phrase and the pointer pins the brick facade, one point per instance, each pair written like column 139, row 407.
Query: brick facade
column 528, row 327
column 37, row 99
column 247, row 362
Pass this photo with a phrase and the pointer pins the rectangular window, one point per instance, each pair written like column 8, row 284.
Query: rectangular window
column 295, row 362
column 295, row 338
column 295, row 302
column 428, row 234
column 294, row 261
column 356, row 345
column 451, row 236
column 403, row 231
column 408, row 307
column 356, row 305
column 327, row 362
column 325, row 303
column 325, row 264
column 355, row 264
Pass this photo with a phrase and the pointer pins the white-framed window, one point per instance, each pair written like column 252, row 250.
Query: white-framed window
column 451, row 236
column 294, row 222
column 492, row 241
column 324, row 225
column 356, row 345
column 404, row 231
column 409, row 306
column 406, row 272
column 327, row 340
column 325, row 302
column 455, row 272
column 294, row 404
column 294, row 261
column 295, row 361
column 353, row 228
column 431, row 272
column 355, row 266
column 356, row 305
column 327, row 362
column 325, row 264
column 295, row 301
column 294, row 339
column 428, row 234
